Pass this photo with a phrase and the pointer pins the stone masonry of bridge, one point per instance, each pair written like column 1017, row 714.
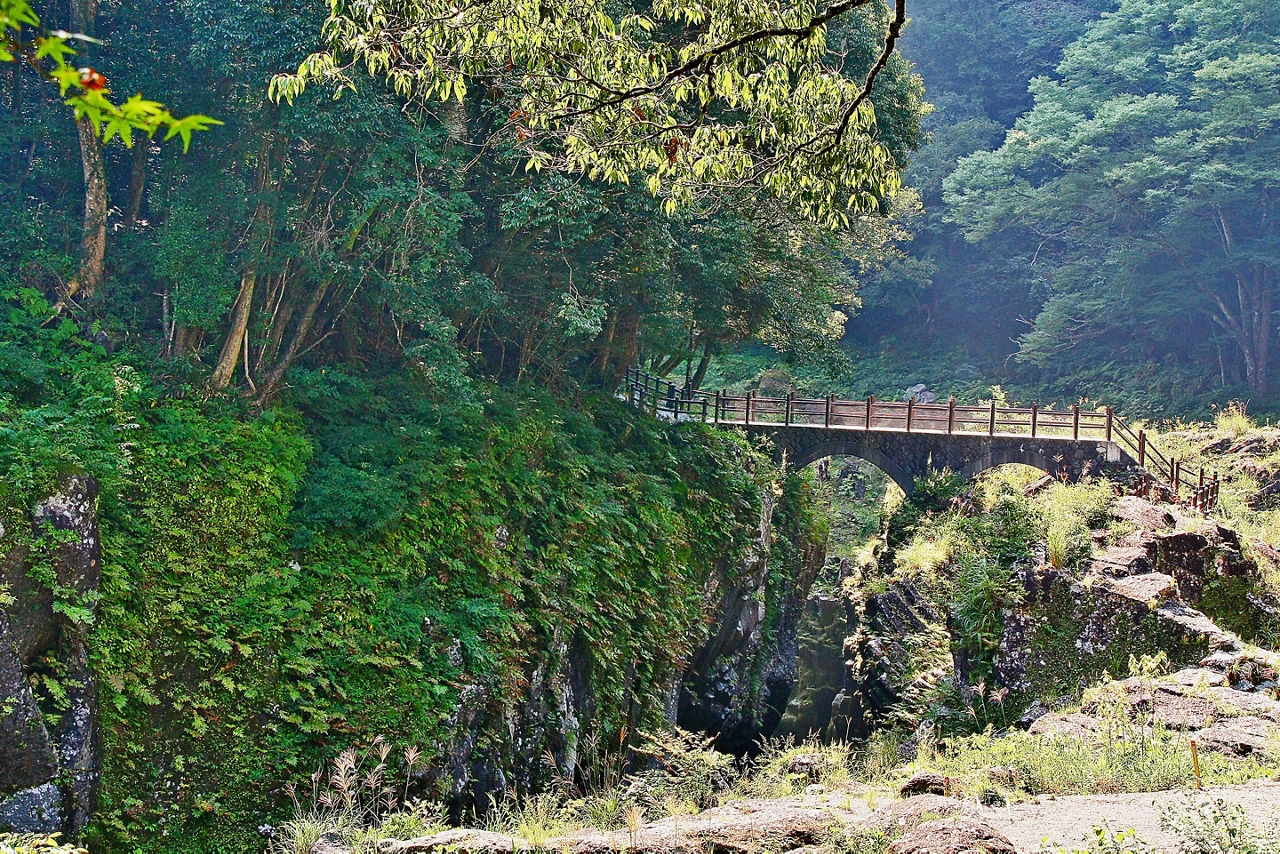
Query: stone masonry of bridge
column 904, row 457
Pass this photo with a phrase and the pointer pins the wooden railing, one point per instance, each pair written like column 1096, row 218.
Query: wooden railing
column 665, row 398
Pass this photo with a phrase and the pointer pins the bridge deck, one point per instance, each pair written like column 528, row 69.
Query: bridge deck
column 908, row 417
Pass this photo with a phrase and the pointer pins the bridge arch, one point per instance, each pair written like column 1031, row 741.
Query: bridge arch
column 853, row 448
column 1004, row 456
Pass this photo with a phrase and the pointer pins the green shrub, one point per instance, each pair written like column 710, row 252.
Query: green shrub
column 26, row 843
column 786, row 768
column 685, row 772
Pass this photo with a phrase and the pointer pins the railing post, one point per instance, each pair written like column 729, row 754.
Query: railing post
column 911, row 408
column 1142, row 448
column 951, row 415
column 786, row 417
column 871, row 399
column 1075, row 422
column 826, row 417
column 1035, row 414
column 716, row 420
column 1110, row 418
column 750, row 396
column 991, row 426
column 1177, row 477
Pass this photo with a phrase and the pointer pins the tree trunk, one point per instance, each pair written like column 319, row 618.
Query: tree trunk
column 184, row 340
column 242, row 309
column 15, row 112
column 231, row 346
column 93, row 242
column 137, row 182
column 701, row 373
column 272, row 381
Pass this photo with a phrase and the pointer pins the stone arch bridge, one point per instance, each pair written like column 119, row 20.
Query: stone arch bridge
column 907, row 440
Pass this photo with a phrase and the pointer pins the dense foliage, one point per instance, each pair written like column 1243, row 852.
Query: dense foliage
column 343, row 370
column 346, row 566
column 697, row 98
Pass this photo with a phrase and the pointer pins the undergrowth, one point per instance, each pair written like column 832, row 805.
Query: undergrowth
column 278, row 585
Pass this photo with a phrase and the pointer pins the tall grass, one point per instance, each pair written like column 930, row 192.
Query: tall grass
column 1234, row 420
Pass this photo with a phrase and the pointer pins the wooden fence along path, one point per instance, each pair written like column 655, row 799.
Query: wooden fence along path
column 1075, row 425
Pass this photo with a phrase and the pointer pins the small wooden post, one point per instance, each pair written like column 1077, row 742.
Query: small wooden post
column 1195, row 762
column 786, row 417
column 991, row 426
column 717, row 417
column 871, row 400
column 911, row 408
column 750, row 395
column 1177, row 477
column 1142, row 448
column 1075, row 422
column 826, row 417
column 1110, row 418
column 1035, row 414
column 951, row 415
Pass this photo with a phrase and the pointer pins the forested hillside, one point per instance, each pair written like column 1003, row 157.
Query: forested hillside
column 1099, row 194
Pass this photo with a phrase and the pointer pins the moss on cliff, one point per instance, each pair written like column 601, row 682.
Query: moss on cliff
column 491, row 577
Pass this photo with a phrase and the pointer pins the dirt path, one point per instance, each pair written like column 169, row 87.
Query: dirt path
column 1068, row 820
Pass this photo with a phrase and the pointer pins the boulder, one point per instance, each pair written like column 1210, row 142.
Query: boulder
column 1072, row 725
column 897, row 816
column 1145, row 587
column 1237, row 736
column 920, row 394
column 952, row 836
column 1142, row 514
column 739, row 827
column 928, row 783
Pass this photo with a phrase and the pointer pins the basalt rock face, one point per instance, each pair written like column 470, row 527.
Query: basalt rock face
column 497, row 744
column 735, row 687
column 819, row 705
column 49, row 759
column 738, row 684
column 896, row 653
column 1183, row 587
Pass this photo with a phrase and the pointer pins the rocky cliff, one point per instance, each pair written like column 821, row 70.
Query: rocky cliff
column 735, row 687
column 1184, row 587
column 49, row 762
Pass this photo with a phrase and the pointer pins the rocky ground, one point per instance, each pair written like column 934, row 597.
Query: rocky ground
column 922, row 823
